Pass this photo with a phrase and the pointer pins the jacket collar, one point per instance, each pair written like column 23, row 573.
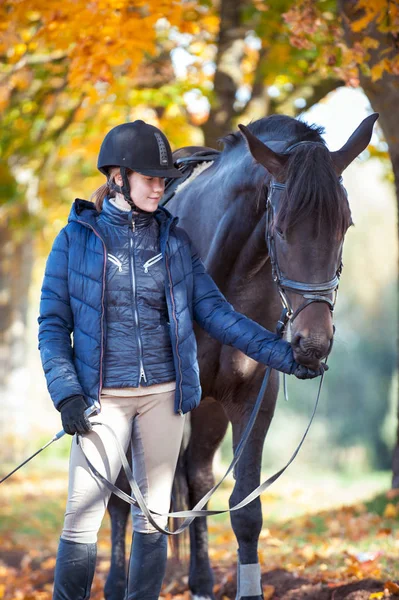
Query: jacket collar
column 166, row 221
column 115, row 216
column 85, row 212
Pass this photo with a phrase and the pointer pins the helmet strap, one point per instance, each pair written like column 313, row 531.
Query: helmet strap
column 124, row 189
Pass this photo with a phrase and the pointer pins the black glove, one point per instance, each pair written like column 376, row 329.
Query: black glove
column 72, row 415
column 302, row 372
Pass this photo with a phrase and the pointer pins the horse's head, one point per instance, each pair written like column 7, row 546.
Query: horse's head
column 307, row 218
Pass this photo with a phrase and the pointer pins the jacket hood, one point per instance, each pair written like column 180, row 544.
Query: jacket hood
column 83, row 210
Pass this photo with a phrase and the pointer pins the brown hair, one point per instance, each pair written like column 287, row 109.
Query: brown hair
column 104, row 190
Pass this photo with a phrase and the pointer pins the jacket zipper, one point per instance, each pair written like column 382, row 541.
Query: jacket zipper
column 152, row 261
column 102, row 307
column 135, row 312
column 180, row 411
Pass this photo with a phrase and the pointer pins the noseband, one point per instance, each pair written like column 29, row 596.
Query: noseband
column 311, row 292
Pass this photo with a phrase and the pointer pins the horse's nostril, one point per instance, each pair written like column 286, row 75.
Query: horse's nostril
column 310, row 347
column 296, row 340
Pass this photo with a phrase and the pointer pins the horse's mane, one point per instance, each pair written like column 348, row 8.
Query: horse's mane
column 277, row 127
column 313, row 189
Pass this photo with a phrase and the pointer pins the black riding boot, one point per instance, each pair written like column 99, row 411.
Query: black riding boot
column 147, row 566
column 74, row 570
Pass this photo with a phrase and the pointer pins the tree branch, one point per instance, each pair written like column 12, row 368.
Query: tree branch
column 56, row 135
column 319, row 90
column 33, row 59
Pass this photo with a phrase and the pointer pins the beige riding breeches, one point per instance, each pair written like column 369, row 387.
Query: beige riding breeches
column 148, row 420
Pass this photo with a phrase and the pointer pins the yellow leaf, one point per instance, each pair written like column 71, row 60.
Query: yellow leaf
column 390, row 511
column 376, row 595
column 379, row 68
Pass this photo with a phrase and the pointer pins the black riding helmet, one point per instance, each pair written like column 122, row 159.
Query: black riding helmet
column 139, row 147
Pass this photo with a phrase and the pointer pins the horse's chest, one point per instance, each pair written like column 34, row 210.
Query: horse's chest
column 235, row 366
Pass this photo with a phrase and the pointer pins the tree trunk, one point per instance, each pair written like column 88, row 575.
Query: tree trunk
column 16, row 261
column 227, row 74
column 383, row 96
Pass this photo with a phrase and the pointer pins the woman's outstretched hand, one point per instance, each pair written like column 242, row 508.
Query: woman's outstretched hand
column 302, row 372
column 73, row 416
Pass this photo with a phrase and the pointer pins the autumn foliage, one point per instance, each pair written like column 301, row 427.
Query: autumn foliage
column 312, row 27
column 81, row 67
column 96, row 41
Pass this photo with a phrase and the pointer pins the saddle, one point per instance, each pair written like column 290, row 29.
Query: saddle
column 186, row 164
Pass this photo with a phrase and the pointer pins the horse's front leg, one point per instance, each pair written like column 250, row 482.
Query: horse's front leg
column 247, row 522
column 208, row 426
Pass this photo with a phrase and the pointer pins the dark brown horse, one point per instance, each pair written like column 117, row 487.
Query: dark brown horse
column 223, row 210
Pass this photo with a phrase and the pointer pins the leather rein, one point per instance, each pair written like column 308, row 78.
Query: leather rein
column 311, row 292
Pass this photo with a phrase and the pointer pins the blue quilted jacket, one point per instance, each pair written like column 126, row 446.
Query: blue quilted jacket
column 72, row 303
column 136, row 312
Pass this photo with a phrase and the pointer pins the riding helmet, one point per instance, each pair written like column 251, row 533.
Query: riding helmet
column 139, row 147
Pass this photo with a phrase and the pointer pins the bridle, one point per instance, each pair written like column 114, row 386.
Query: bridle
column 311, row 292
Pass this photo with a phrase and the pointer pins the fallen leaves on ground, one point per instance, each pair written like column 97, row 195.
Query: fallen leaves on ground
column 348, row 552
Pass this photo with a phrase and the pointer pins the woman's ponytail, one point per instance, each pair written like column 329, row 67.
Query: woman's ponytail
column 105, row 190
column 98, row 196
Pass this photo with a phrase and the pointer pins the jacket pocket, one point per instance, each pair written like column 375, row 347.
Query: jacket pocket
column 152, row 261
column 115, row 261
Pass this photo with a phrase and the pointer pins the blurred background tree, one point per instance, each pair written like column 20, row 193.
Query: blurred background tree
column 70, row 72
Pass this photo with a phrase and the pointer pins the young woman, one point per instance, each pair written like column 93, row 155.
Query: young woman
column 124, row 280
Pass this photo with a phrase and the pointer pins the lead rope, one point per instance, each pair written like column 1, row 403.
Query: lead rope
column 137, row 498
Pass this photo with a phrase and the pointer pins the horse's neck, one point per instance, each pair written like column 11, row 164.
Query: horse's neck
column 217, row 213
column 227, row 226
column 246, row 263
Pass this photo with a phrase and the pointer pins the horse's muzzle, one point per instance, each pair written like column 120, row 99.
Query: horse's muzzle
column 309, row 350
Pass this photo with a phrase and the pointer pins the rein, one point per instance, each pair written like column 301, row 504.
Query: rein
column 189, row 515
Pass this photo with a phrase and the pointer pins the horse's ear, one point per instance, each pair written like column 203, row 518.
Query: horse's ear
column 358, row 141
column 272, row 161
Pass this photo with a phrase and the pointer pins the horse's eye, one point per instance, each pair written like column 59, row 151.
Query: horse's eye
column 280, row 232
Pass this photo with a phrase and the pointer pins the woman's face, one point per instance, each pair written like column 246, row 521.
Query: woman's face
column 145, row 191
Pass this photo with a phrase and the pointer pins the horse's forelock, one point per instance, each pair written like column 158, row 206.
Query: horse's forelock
column 314, row 192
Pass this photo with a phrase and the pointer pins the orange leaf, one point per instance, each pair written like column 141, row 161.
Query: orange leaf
column 392, row 588
column 268, row 591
